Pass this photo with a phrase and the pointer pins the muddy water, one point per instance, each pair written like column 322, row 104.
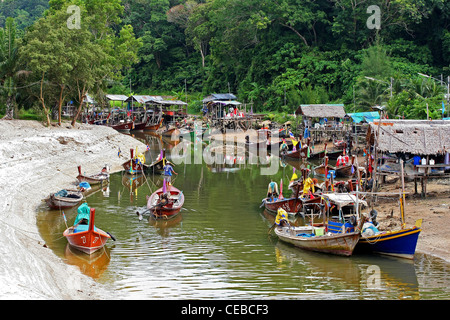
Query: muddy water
column 218, row 247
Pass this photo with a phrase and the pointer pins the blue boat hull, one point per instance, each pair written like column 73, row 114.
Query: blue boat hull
column 401, row 243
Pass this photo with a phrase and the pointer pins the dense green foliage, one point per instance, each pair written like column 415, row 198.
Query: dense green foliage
column 24, row 12
column 275, row 53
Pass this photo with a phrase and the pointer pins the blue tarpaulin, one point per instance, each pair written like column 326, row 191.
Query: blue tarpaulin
column 364, row 116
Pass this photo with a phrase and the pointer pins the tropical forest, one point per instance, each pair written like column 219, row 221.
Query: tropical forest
column 274, row 54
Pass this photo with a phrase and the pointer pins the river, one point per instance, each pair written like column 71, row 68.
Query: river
column 219, row 247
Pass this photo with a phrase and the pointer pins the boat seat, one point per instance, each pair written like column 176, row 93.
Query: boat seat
column 83, row 227
column 335, row 227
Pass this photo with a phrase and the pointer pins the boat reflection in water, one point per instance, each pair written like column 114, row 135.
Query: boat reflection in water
column 93, row 265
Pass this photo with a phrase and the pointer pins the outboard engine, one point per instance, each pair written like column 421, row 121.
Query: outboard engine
column 373, row 216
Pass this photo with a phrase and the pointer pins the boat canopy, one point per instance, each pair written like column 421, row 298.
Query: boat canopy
column 343, row 199
column 84, row 212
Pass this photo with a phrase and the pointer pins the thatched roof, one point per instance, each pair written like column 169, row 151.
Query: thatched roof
column 321, row 110
column 418, row 137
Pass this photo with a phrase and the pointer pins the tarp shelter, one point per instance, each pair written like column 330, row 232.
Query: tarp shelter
column 364, row 116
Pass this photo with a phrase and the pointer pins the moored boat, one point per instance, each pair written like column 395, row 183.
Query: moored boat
column 83, row 235
column 136, row 164
column 398, row 243
column 153, row 126
column 64, row 199
column 290, row 205
column 95, row 178
column 338, row 244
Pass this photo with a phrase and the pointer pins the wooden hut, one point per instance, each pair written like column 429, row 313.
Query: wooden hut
column 428, row 141
column 223, row 110
column 321, row 119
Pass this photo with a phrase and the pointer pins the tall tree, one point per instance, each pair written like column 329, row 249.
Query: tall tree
column 8, row 63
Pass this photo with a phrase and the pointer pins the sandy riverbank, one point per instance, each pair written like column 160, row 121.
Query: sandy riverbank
column 35, row 161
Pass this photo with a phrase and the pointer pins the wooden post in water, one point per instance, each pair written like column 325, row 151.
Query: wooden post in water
column 402, row 199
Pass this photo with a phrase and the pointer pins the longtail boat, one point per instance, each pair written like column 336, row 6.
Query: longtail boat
column 139, row 126
column 398, row 243
column 324, row 168
column 322, row 239
column 83, row 235
column 290, row 205
column 95, row 178
column 153, row 126
column 338, row 244
column 171, row 132
column 123, row 125
column 136, row 164
column 64, row 199
column 166, row 202
column 343, row 168
column 300, row 153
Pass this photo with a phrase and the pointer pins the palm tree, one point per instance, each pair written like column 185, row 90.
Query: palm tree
column 371, row 93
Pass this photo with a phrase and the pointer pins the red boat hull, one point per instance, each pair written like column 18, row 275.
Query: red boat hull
column 171, row 209
column 87, row 241
column 123, row 126
column 153, row 127
column 289, row 205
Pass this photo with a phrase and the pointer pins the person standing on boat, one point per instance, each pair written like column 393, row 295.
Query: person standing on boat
column 308, row 185
column 168, row 171
column 272, row 190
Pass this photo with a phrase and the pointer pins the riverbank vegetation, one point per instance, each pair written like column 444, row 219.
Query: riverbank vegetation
column 274, row 54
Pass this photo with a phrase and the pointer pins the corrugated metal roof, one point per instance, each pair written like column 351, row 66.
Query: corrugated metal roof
column 116, row 97
column 220, row 96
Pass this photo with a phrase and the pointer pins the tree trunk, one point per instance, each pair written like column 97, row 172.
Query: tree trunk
column 41, row 98
column 60, row 104
column 81, row 95
column 297, row 33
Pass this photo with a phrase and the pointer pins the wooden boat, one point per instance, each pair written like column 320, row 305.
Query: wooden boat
column 344, row 171
column 64, row 199
column 139, row 126
column 332, row 242
column 86, row 237
column 168, row 208
column 272, row 146
column 324, row 168
column 95, row 178
column 153, row 126
column 399, row 243
column 290, row 205
column 157, row 166
column 301, row 153
column 338, row 244
column 332, row 155
column 123, row 125
column 171, row 132
column 343, row 168
column 135, row 165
